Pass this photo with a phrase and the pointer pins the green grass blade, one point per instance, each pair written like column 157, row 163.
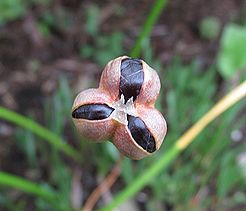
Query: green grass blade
column 148, row 25
column 39, row 130
column 9, row 180
column 142, row 179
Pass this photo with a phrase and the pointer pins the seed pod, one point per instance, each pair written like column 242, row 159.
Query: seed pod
column 124, row 74
column 143, row 135
column 122, row 108
column 93, row 103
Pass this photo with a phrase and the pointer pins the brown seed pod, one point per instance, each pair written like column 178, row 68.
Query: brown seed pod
column 122, row 108
column 144, row 83
column 143, row 135
column 91, row 113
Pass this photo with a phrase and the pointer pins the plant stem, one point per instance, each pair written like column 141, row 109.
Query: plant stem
column 142, row 180
column 148, row 25
column 39, row 130
column 9, row 180
column 182, row 143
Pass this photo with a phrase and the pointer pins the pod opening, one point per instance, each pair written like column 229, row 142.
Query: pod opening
column 131, row 78
column 92, row 112
column 141, row 134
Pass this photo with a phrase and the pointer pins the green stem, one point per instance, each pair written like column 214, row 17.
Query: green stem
column 143, row 179
column 148, row 25
column 39, row 130
column 25, row 185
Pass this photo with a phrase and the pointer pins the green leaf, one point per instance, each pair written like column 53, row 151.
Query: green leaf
column 147, row 27
column 229, row 175
column 92, row 20
column 232, row 55
column 11, row 10
column 27, row 186
column 209, row 27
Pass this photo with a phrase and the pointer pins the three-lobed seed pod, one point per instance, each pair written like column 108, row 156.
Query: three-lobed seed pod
column 122, row 108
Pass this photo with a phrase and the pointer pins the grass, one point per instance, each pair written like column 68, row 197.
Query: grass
column 158, row 6
column 26, row 186
column 39, row 130
column 188, row 93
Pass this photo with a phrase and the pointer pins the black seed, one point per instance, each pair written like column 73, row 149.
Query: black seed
column 141, row 134
column 131, row 79
column 92, row 112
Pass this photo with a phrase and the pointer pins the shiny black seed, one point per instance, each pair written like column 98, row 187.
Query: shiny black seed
column 92, row 112
column 141, row 134
column 131, row 79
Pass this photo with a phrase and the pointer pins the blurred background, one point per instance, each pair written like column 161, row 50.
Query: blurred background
column 52, row 49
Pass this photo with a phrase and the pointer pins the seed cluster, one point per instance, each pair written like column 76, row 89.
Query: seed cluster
column 122, row 108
